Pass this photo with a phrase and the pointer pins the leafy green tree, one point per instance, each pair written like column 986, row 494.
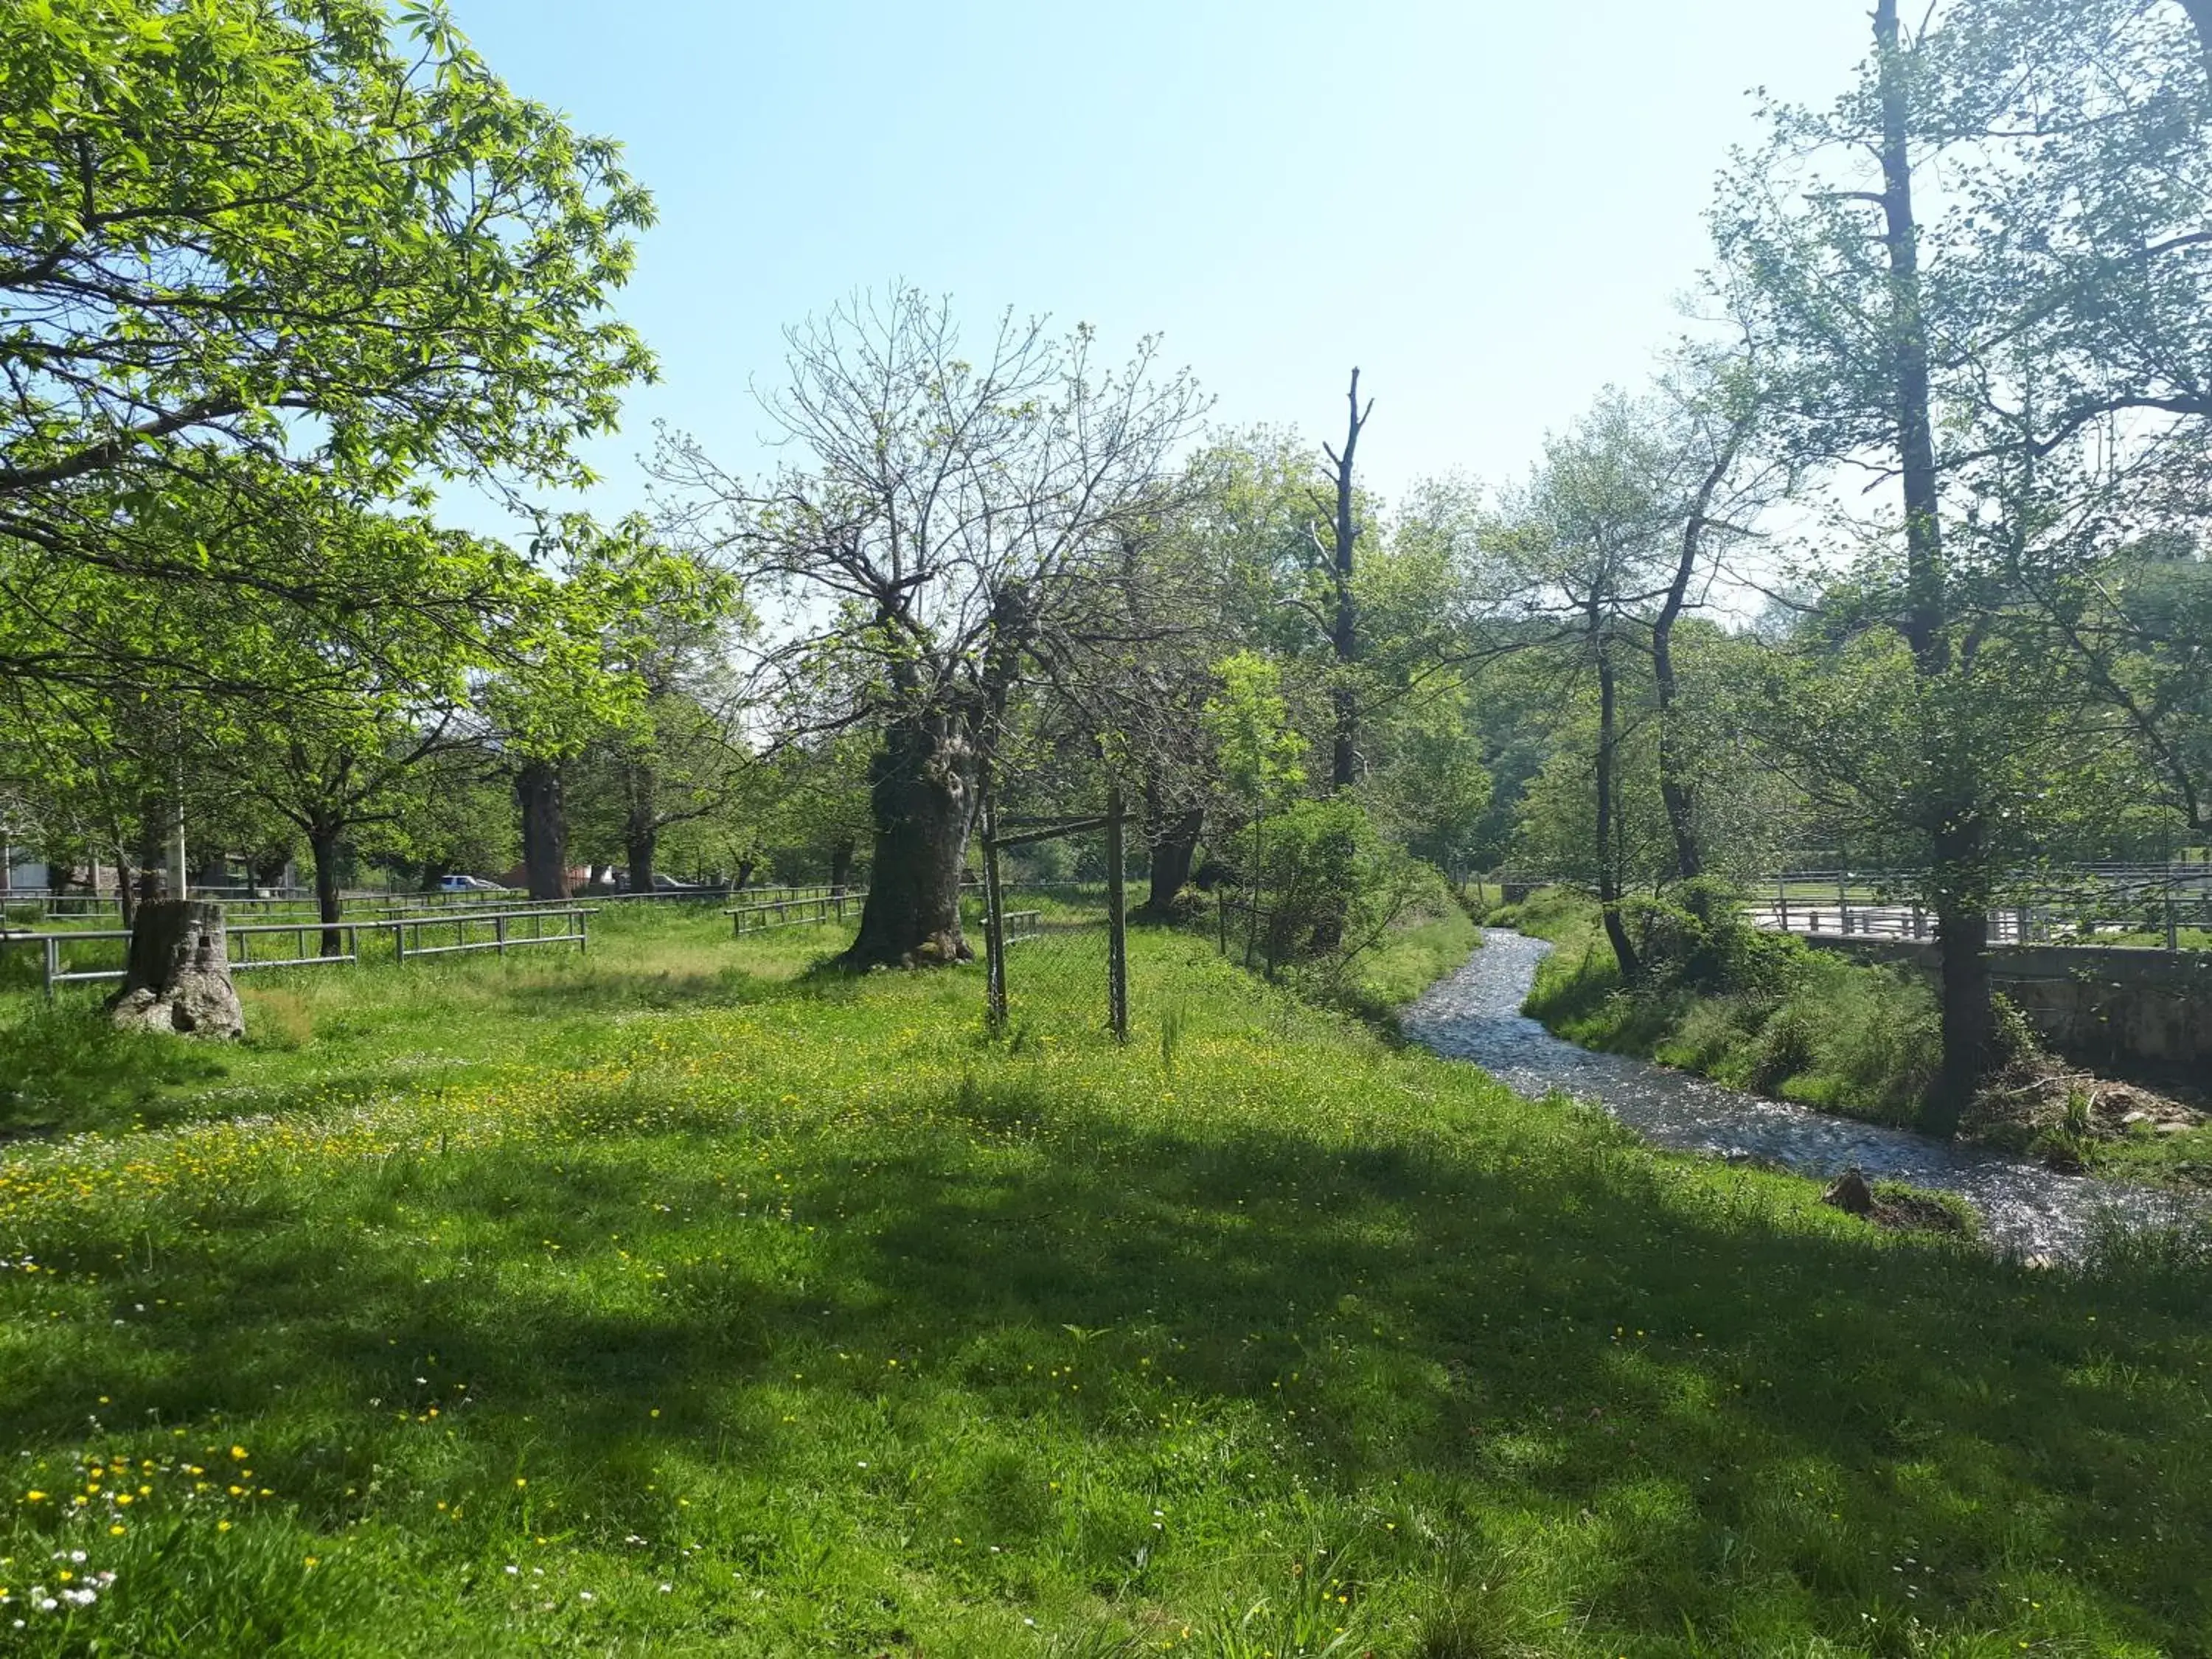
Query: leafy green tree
column 682, row 755
column 454, row 812
column 253, row 253
column 1975, row 359
column 566, row 683
column 1585, row 547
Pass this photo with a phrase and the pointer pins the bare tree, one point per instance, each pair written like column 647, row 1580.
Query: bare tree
column 950, row 531
column 1344, row 618
column 1715, row 408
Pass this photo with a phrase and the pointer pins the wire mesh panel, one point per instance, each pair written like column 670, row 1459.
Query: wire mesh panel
column 1059, row 946
column 1070, row 934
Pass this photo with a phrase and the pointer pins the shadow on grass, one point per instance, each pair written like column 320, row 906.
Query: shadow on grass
column 1725, row 1432
column 63, row 1069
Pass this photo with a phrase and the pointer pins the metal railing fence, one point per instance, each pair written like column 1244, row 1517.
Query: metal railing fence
column 473, row 931
column 790, row 912
column 2077, row 904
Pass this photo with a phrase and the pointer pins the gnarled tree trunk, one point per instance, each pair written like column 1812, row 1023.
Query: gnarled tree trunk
column 178, row 977
column 640, row 843
column 923, row 794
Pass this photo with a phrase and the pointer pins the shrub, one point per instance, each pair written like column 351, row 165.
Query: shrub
column 1696, row 938
column 1326, row 886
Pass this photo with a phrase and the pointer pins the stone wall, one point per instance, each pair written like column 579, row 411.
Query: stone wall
column 2101, row 1004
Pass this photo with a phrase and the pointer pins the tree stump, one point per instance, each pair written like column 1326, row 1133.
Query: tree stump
column 177, row 977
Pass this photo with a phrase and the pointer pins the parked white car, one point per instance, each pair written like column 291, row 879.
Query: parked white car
column 468, row 884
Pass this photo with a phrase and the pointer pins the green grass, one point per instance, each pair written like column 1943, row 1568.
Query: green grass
column 677, row 1300
column 1409, row 960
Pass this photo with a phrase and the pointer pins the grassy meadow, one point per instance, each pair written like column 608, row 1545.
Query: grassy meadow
column 682, row 1299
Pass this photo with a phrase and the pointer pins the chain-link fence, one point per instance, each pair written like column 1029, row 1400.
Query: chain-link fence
column 1056, row 951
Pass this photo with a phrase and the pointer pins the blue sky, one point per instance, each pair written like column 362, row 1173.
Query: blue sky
column 1490, row 209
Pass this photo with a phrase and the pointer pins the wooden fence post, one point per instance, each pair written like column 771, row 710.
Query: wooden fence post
column 994, row 926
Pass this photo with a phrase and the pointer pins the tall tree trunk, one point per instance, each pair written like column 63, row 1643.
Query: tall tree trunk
column 434, row 875
column 1916, row 442
column 1344, row 628
column 323, row 848
column 745, row 866
column 126, row 888
column 641, row 840
column 545, row 830
column 1674, row 788
column 1962, row 935
column 923, row 792
column 1951, row 818
column 2200, row 13
column 1609, row 883
column 640, row 823
column 841, row 866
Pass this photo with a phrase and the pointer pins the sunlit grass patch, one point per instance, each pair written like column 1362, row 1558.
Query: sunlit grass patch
column 682, row 1298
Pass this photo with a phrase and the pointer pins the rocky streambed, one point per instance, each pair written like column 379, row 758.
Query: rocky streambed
column 2027, row 1209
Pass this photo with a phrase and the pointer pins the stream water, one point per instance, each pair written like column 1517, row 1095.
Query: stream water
column 2027, row 1209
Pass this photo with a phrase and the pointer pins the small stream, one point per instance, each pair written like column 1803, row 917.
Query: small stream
column 2027, row 1209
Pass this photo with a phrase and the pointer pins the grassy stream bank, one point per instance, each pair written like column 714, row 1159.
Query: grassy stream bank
column 1792, row 1023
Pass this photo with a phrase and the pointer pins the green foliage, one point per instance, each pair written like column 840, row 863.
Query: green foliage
column 856, row 1332
column 270, row 268
column 1326, row 887
column 1696, row 939
column 1249, row 721
column 425, row 255
column 2071, row 1143
column 1428, row 785
column 1434, row 938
